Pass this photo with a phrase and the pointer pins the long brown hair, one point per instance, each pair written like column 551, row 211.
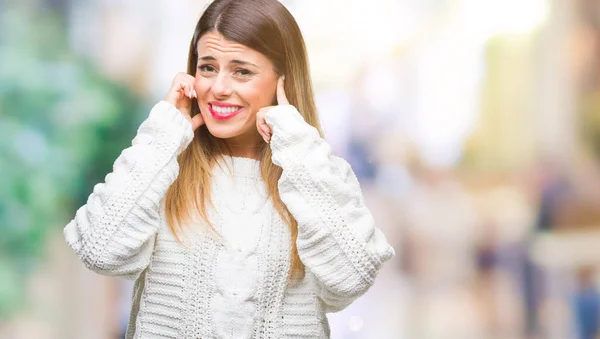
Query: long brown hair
column 267, row 27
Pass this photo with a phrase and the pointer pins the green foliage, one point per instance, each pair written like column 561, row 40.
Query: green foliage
column 590, row 121
column 62, row 124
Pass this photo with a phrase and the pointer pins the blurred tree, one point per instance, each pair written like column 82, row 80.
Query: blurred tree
column 62, row 124
column 590, row 121
column 586, row 34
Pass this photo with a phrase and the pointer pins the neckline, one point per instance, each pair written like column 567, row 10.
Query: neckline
column 240, row 166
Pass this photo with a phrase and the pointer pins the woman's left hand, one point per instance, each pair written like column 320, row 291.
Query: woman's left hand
column 261, row 124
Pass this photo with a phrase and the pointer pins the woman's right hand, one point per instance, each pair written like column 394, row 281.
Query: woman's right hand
column 180, row 95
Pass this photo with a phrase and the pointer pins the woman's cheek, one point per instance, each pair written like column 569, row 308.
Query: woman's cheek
column 255, row 94
column 200, row 86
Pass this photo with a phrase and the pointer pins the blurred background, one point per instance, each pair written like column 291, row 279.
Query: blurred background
column 473, row 125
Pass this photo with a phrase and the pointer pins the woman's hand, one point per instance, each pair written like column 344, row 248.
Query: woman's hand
column 180, row 95
column 261, row 124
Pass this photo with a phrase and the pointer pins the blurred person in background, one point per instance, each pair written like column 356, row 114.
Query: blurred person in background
column 553, row 190
column 442, row 225
column 229, row 210
column 586, row 304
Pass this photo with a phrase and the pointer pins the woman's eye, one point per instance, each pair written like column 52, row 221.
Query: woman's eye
column 243, row 72
column 206, row 68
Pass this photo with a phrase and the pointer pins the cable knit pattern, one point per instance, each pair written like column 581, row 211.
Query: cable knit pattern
column 337, row 238
column 113, row 233
column 236, row 284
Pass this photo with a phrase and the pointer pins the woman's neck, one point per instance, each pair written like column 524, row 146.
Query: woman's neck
column 245, row 146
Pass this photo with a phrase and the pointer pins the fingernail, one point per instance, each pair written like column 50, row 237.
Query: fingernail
column 195, row 94
column 283, row 77
column 190, row 94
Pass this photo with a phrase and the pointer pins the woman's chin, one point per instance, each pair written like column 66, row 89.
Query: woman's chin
column 223, row 132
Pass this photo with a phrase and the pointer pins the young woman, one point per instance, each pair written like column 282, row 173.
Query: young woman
column 229, row 209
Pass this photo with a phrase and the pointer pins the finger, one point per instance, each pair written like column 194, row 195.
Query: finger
column 192, row 91
column 264, row 137
column 281, row 98
column 263, row 132
column 260, row 128
column 263, row 128
column 189, row 90
column 184, row 77
column 266, row 130
column 187, row 87
column 197, row 121
column 183, row 89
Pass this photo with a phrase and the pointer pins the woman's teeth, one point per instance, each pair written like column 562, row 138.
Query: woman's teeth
column 225, row 110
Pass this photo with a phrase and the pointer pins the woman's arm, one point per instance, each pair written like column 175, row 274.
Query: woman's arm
column 114, row 233
column 337, row 238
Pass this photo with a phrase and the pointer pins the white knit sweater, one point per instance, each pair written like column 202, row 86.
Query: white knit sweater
column 235, row 285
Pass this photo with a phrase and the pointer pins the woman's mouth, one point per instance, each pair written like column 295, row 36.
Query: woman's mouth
column 220, row 112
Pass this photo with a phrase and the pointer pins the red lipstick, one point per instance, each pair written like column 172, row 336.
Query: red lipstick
column 223, row 110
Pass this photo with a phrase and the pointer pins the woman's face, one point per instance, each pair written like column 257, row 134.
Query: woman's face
column 232, row 83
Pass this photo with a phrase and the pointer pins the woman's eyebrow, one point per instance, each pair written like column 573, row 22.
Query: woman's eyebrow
column 242, row 63
column 208, row 58
column 235, row 61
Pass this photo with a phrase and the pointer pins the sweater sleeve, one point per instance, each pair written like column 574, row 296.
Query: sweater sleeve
column 337, row 239
column 114, row 232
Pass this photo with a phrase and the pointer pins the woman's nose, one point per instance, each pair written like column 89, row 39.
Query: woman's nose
column 222, row 86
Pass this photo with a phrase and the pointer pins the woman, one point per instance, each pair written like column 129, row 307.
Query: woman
column 229, row 209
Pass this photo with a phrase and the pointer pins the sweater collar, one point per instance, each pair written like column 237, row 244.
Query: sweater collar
column 239, row 166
